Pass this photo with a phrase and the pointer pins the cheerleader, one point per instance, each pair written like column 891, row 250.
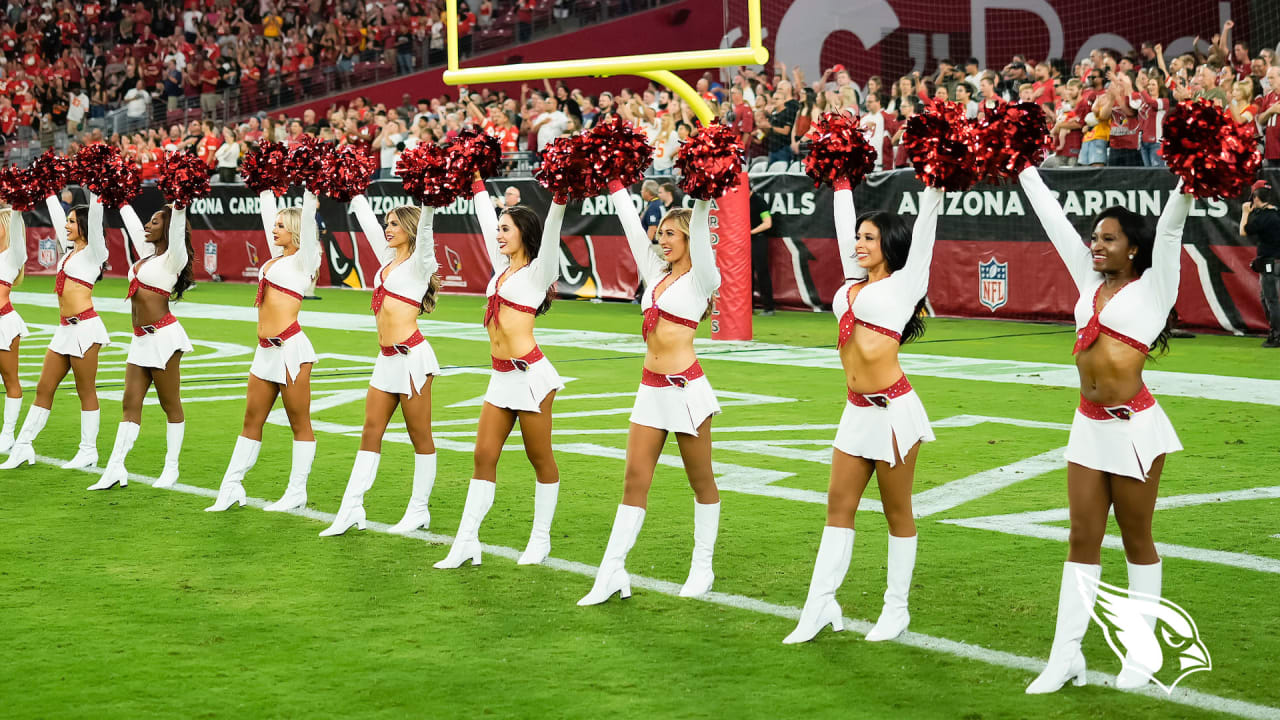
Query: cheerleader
column 13, row 257
column 886, row 269
column 79, row 337
column 1128, row 282
column 405, row 286
column 162, row 275
column 674, row 395
column 525, row 256
column 282, row 363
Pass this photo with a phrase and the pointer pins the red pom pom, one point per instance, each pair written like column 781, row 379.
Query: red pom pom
column 17, row 189
column 346, row 173
column 1014, row 137
column 49, row 173
column 710, row 162
column 266, row 168
column 618, row 152
column 107, row 174
column 183, row 178
column 476, row 152
column 838, row 150
column 306, row 161
column 566, row 169
column 429, row 177
column 1213, row 155
column 944, row 147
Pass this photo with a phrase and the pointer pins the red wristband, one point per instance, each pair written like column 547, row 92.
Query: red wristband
column 615, row 186
column 477, row 187
column 841, row 184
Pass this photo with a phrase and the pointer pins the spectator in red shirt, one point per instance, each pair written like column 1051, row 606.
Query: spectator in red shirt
column 1124, row 123
column 207, row 148
column 1269, row 119
column 208, row 79
column 1066, row 132
column 743, row 119
column 1155, row 101
column 1044, row 86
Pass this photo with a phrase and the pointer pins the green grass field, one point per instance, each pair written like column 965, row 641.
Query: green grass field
column 134, row 603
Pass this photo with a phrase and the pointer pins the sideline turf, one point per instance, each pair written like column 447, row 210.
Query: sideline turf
column 134, row 603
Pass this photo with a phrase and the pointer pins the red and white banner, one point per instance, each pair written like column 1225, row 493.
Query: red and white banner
column 731, row 238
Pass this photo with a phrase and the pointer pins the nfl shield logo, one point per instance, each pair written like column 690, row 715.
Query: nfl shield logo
column 48, row 253
column 211, row 257
column 993, row 284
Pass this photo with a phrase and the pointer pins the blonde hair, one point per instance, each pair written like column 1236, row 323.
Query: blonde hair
column 409, row 216
column 291, row 218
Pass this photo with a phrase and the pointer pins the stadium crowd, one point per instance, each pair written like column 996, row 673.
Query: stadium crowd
column 57, row 76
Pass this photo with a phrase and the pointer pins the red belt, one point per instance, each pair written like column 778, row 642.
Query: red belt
column 150, row 329
column 403, row 348
column 1136, row 404
column 278, row 341
column 521, row 363
column 77, row 319
column 881, row 399
column 8, row 308
column 653, row 379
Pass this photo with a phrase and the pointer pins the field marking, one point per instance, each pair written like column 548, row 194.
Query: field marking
column 1033, row 524
column 1194, row 385
column 1180, row 696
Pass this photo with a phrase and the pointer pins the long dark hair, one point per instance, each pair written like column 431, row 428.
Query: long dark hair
column 895, row 244
column 529, row 223
column 1142, row 237
column 186, row 278
column 81, row 213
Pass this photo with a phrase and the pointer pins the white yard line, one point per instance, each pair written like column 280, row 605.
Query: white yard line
column 967, row 651
column 1195, row 385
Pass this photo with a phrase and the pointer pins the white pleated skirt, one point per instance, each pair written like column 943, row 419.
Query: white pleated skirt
column 524, row 390
column 155, row 350
column 675, row 409
column 871, row 432
column 405, row 374
column 76, row 340
column 11, row 326
column 1122, row 447
column 280, row 365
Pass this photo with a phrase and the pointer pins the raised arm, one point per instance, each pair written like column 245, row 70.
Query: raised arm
column 16, row 254
column 923, row 234
column 647, row 262
column 847, row 231
column 488, row 217
column 137, row 235
column 58, row 217
column 424, row 247
column 373, row 231
column 1166, row 256
column 97, row 239
column 176, row 256
column 546, row 267
column 1066, row 240
column 706, row 275
column 309, row 235
column 267, row 209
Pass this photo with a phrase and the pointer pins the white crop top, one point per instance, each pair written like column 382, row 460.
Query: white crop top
column 290, row 274
column 1139, row 311
column 684, row 301
column 82, row 266
column 409, row 281
column 526, row 288
column 886, row 305
column 15, row 256
column 156, row 273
